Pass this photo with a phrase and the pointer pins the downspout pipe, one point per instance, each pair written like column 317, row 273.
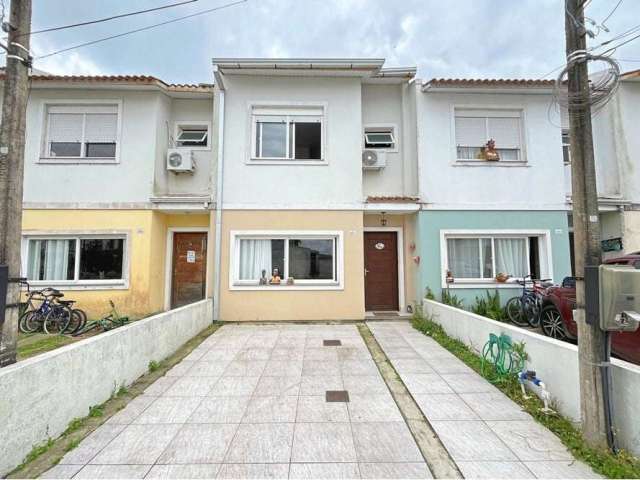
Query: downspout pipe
column 217, row 261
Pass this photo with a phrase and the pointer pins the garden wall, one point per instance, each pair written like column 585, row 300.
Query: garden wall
column 555, row 362
column 41, row 395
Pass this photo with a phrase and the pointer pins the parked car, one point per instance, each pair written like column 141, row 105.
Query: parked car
column 556, row 317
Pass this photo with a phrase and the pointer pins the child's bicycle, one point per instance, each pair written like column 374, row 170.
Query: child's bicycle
column 108, row 322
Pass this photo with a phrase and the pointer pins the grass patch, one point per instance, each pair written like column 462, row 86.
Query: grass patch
column 96, row 411
column 37, row 343
column 153, row 366
column 622, row 465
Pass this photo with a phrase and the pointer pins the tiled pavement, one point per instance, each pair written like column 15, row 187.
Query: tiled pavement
column 250, row 402
column 486, row 434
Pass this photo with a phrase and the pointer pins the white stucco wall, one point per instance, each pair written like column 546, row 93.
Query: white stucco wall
column 336, row 184
column 444, row 184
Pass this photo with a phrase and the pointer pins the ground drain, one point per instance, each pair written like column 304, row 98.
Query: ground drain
column 434, row 453
column 332, row 343
column 337, row 396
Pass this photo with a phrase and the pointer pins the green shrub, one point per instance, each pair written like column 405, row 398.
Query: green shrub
column 451, row 300
column 490, row 307
column 428, row 294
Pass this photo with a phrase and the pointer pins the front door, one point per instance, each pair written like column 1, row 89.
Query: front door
column 381, row 271
column 189, row 276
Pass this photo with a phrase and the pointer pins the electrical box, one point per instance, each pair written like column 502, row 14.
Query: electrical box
column 619, row 298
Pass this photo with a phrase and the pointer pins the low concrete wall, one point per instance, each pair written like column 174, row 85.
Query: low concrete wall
column 555, row 362
column 41, row 395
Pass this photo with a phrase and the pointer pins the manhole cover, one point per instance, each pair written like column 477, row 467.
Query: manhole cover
column 337, row 396
column 331, row 343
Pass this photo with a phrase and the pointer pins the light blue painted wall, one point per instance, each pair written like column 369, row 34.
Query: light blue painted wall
column 430, row 222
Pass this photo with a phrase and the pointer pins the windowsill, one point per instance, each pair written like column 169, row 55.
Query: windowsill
column 78, row 160
column 194, row 149
column 479, row 284
column 275, row 161
column 489, row 163
column 82, row 285
column 285, row 287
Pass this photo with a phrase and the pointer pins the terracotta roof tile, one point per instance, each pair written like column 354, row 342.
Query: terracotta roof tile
column 489, row 82
column 392, row 198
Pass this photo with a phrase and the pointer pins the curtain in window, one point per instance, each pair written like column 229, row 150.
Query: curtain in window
column 255, row 256
column 464, row 257
column 56, row 259
column 511, row 256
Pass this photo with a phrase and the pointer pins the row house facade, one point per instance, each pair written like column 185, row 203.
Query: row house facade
column 303, row 189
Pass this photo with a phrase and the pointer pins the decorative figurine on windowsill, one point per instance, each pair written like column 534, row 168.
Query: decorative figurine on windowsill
column 489, row 152
column 290, row 281
column 275, row 277
column 502, row 277
column 263, row 278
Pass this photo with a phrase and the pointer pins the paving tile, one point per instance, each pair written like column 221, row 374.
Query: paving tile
column 283, row 353
column 359, row 367
column 92, row 444
column 277, row 386
column 62, row 471
column 202, row 470
column 353, row 353
column 561, row 469
column 254, row 470
column 385, row 442
column 137, row 445
column 319, row 384
column 395, row 470
column 160, row 386
column 323, row 442
column 234, row 386
column 197, row 353
column 169, row 410
column 324, row 471
column 224, row 355
column 245, row 368
column 113, row 471
column 254, row 354
column 261, row 443
column 206, row 369
column 320, row 367
column 506, row 470
column 316, row 409
column 529, row 440
column 468, row 383
column 447, row 364
column 271, row 409
column 191, row 387
column 494, row 406
column 373, row 408
column 321, row 353
column 364, row 384
column 202, row 443
column 180, row 369
column 402, row 352
column 133, row 409
column 418, row 383
column 468, row 440
column 412, row 365
column 283, row 368
column 220, row 410
column 444, row 406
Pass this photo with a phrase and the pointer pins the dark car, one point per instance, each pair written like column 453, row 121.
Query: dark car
column 556, row 317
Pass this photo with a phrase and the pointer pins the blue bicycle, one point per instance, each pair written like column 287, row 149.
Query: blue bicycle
column 524, row 310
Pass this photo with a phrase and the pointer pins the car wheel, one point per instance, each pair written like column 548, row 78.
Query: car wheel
column 551, row 323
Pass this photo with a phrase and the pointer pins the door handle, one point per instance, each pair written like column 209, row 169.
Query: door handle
column 365, row 272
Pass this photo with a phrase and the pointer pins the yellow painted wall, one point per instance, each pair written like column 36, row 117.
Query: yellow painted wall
column 408, row 224
column 347, row 304
column 146, row 251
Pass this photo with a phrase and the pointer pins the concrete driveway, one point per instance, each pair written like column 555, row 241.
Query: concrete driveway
column 251, row 402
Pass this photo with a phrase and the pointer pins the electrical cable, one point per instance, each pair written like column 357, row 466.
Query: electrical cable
column 142, row 29
column 611, row 13
column 106, row 19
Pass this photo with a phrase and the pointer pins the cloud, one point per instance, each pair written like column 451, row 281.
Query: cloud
column 68, row 63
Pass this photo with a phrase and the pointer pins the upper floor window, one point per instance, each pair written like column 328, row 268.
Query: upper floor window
column 287, row 133
column 193, row 135
column 566, row 146
column 379, row 138
column 486, row 135
column 81, row 132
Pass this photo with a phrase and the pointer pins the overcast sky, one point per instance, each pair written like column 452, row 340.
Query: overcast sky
column 444, row 38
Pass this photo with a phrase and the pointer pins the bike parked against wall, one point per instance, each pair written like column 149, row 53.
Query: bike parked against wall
column 108, row 322
column 524, row 310
column 46, row 311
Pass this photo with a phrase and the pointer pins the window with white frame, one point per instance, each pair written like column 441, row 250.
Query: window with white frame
column 474, row 128
column 480, row 258
column 81, row 131
column 287, row 133
column 379, row 138
column 192, row 135
column 75, row 259
column 298, row 259
column 566, row 147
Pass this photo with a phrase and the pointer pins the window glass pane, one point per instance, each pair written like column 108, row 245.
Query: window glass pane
column 308, row 140
column 487, row 258
column 509, row 155
column 463, row 256
column 511, row 256
column 101, row 259
column 51, row 259
column 65, row 149
column 259, row 258
column 100, row 150
column 468, row 153
column 274, row 140
column 311, row 259
column 192, row 138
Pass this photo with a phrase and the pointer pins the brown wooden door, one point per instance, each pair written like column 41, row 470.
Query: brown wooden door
column 381, row 271
column 189, row 276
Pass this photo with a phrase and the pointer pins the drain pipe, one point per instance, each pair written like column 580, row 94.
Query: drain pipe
column 219, row 186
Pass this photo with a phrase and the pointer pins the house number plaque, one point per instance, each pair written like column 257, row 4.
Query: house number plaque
column 380, row 246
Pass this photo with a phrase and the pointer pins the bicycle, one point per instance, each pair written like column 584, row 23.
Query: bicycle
column 524, row 310
column 53, row 315
column 108, row 322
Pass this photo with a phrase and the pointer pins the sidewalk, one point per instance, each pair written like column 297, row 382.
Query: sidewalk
column 486, row 434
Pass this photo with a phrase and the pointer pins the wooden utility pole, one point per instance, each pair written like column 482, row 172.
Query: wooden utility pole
column 586, row 230
column 16, row 92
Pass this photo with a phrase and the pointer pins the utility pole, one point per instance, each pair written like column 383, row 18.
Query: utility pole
column 586, row 230
column 12, row 128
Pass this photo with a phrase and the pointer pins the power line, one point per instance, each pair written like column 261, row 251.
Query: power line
column 106, row 19
column 614, row 48
column 142, row 29
column 611, row 13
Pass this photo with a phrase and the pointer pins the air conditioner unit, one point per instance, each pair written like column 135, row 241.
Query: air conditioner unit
column 373, row 160
column 180, row 160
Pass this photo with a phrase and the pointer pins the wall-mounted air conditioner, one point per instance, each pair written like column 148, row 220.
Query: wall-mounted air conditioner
column 373, row 160
column 180, row 160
